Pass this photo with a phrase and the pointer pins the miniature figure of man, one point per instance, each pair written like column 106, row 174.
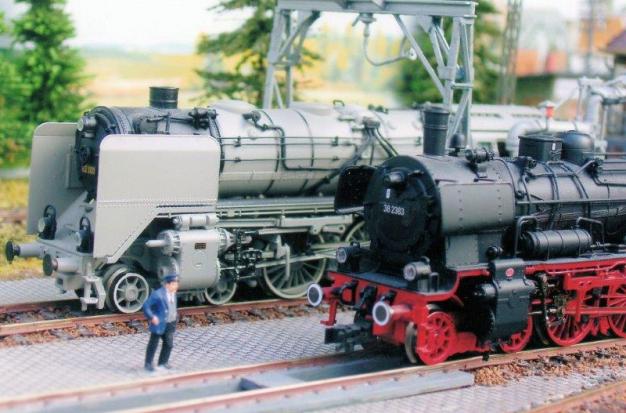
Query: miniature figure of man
column 160, row 310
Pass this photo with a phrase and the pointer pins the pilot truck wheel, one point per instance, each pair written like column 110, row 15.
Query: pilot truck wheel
column 223, row 292
column 126, row 291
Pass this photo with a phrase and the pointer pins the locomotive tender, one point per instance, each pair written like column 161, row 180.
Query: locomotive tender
column 218, row 195
column 470, row 251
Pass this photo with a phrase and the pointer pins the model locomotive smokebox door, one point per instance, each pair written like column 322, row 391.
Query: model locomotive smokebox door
column 141, row 177
column 476, row 207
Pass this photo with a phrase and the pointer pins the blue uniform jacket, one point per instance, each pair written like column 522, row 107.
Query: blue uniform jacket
column 156, row 305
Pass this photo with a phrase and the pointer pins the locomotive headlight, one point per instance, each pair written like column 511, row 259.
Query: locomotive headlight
column 315, row 295
column 83, row 236
column 86, row 123
column 384, row 313
column 413, row 270
column 345, row 254
column 78, row 237
column 381, row 313
column 409, row 272
column 342, row 255
column 42, row 224
column 47, row 224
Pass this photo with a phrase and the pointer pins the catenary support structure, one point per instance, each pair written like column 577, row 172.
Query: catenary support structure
column 453, row 71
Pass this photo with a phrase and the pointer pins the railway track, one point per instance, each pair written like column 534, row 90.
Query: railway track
column 44, row 305
column 258, row 399
column 160, row 383
column 7, row 330
column 577, row 400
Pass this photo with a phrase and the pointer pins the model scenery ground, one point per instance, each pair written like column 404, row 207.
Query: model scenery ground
column 13, row 202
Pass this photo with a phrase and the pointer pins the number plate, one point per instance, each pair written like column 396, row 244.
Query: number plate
column 393, row 210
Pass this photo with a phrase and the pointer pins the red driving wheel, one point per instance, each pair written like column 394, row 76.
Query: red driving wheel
column 518, row 341
column 617, row 298
column 438, row 338
column 565, row 330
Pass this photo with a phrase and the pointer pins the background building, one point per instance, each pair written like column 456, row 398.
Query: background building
column 560, row 44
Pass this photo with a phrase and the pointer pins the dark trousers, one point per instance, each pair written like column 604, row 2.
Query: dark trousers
column 166, row 349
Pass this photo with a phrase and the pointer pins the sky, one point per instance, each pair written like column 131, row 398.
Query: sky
column 170, row 25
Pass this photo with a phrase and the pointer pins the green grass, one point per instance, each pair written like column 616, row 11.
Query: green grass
column 13, row 193
column 14, row 196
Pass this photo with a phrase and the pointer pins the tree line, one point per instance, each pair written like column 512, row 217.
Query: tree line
column 43, row 79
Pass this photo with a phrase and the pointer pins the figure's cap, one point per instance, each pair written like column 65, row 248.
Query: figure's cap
column 170, row 278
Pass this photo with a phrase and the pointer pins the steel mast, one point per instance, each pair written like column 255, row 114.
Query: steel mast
column 453, row 71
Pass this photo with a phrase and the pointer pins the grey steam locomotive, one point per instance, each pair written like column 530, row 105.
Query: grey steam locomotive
column 220, row 195
column 469, row 251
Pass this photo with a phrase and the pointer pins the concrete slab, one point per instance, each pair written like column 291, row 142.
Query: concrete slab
column 380, row 391
column 336, row 396
column 98, row 361
column 308, row 374
column 262, row 381
column 31, row 290
column 516, row 396
column 107, row 404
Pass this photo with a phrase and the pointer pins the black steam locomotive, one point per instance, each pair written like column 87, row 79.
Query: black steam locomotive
column 469, row 251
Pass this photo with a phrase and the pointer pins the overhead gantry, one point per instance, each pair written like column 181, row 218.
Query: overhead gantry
column 453, row 48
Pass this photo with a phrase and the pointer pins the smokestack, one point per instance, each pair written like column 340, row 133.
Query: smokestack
column 164, row 97
column 435, row 130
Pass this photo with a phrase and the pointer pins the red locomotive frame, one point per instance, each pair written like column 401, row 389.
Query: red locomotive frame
column 582, row 297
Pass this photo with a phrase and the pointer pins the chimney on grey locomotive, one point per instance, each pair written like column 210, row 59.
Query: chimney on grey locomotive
column 164, row 97
column 435, row 130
